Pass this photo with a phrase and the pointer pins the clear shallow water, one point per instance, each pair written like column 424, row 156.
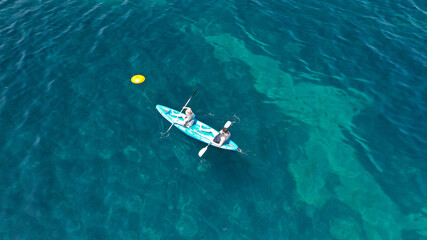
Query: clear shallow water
column 328, row 100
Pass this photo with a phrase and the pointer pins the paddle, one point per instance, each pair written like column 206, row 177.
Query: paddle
column 180, row 112
column 203, row 150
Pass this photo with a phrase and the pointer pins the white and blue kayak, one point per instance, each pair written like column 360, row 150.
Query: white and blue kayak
column 193, row 131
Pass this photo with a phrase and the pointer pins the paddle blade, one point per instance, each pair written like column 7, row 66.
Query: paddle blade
column 227, row 124
column 202, row 151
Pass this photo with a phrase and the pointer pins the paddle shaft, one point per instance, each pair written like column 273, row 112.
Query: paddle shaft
column 180, row 112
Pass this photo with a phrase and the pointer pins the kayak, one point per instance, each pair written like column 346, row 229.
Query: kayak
column 193, row 131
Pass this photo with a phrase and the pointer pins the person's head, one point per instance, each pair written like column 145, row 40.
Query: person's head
column 225, row 130
column 188, row 111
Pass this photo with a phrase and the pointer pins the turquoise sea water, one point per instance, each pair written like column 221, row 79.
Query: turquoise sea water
column 328, row 101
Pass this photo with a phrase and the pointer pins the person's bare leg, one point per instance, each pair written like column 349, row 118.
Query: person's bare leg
column 205, row 130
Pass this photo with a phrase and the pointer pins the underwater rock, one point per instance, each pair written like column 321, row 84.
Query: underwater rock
column 326, row 110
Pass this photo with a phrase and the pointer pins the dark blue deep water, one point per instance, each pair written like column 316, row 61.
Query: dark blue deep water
column 328, row 101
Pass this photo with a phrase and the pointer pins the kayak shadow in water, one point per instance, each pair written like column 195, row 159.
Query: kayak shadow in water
column 225, row 160
column 233, row 172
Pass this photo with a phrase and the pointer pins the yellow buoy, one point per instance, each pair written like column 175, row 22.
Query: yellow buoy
column 137, row 79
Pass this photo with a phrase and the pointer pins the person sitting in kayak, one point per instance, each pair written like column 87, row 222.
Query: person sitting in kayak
column 221, row 137
column 188, row 117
